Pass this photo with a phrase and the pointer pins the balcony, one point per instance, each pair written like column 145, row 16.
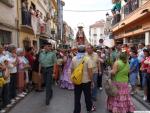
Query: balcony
column 26, row 25
column 131, row 6
column 9, row 3
column 116, row 19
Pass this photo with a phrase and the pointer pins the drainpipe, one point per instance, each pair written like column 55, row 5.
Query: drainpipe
column 17, row 20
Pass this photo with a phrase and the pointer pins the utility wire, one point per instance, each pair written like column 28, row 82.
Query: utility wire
column 87, row 10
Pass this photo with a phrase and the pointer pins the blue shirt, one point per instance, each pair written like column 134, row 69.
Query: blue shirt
column 134, row 64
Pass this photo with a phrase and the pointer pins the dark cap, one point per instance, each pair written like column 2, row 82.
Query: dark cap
column 47, row 43
column 81, row 48
column 146, row 50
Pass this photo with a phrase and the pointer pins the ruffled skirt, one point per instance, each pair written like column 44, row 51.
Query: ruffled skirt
column 122, row 102
column 65, row 81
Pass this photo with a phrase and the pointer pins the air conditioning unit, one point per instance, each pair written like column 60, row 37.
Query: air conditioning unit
column 9, row 3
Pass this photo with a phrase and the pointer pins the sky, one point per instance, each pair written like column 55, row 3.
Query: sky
column 85, row 18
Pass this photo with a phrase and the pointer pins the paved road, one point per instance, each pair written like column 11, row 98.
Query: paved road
column 62, row 102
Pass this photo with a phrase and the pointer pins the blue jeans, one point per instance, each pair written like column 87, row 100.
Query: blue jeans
column 133, row 78
column 144, row 74
column 94, row 89
column 47, row 74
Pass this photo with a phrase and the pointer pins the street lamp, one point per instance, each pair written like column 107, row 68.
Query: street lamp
column 107, row 14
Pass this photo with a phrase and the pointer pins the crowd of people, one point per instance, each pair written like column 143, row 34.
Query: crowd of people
column 24, row 69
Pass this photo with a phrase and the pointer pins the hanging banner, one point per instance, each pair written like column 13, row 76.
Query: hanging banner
column 109, row 43
column 34, row 22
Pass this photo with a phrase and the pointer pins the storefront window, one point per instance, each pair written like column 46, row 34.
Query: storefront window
column 137, row 39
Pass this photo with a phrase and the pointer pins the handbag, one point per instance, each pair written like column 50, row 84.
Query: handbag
column 77, row 74
column 110, row 89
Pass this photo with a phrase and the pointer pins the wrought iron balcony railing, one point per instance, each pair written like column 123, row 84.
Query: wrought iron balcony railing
column 116, row 19
column 131, row 6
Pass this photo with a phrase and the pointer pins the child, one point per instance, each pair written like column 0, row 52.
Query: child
column 134, row 69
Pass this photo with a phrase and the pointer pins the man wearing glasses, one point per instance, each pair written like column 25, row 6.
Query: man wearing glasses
column 47, row 59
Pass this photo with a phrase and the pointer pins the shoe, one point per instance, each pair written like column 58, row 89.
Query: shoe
column 47, row 102
column 21, row 95
column 17, row 98
column 24, row 93
column 9, row 105
column 100, row 88
column 93, row 108
column 13, row 100
column 2, row 111
column 132, row 93
column 144, row 98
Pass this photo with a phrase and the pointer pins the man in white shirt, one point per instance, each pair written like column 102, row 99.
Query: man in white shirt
column 141, row 47
column 12, row 57
column 96, row 68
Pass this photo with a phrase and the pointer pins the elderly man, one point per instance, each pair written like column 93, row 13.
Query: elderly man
column 47, row 59
column 85, row 86
column 96, row 69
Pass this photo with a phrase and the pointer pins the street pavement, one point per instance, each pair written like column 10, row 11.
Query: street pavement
column 62, row 102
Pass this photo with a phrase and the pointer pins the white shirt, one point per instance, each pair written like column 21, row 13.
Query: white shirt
column 13, row 68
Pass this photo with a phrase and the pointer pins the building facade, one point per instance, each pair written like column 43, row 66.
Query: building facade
column 34, row 22
column 131, row 23
column 8, row 22
column 96, row 32
column 68, row 35
column 27, row 23
column 37, row 22
column 61, row 4
column 107, row 27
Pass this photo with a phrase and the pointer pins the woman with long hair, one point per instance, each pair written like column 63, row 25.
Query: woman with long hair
column 121, row 103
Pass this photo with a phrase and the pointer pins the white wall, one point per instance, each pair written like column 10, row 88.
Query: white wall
column 8, row 16
column 98, row 31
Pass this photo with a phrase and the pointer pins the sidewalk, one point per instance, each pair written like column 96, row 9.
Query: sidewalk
column 139, row 96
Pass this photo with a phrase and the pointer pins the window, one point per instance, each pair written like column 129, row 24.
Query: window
column 5, row 37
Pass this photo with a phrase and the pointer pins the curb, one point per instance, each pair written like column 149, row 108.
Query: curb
column 145, row 104
column 17, row 102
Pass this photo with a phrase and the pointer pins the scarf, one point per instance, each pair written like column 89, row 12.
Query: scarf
column 80, row 56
